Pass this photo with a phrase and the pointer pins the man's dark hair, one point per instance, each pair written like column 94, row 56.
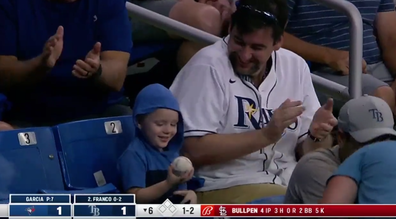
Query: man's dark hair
column 252, row 15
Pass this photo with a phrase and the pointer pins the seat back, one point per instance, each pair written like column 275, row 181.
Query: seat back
column 28, row 161
column 89, row 150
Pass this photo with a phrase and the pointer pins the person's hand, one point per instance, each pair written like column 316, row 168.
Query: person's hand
column 287, row 114
column 339, row 61
column 189, row 196
column 53, row 48
column 323, row 121
column 172, row 179
column 90, row 66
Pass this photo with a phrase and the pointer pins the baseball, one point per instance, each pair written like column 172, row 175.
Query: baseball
column 181, row 165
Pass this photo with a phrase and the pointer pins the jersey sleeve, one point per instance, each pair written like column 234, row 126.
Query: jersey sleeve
column 114, row 28
column 202, row 100
column 132, row 168
column 8, row 28
column 310, row 102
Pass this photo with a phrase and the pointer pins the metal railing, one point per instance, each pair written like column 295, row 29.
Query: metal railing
column 356, row 42
column 328, row 87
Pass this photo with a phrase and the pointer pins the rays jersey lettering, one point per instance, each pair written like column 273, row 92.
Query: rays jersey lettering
column 249, row 115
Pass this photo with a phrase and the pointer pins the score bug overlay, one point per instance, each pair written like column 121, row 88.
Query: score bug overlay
column 168, row 209
column 107, row 206
column 40, row 206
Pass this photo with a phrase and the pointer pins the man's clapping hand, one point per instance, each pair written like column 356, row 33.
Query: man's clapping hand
column 53, row 49
column 90, row 65
column 285, row 115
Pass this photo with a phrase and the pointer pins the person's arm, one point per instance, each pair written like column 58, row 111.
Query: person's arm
column 342, row 187
column 204, row 99
column 220, row 148
column 198, row 15
column 115, row 35
column 311, row 103
column 309, row 145
column 14, row 72
column 340, row 190
column 149, row 194
column 132, row 168
column 308, row 181
column 387, row 33
column 309, row 51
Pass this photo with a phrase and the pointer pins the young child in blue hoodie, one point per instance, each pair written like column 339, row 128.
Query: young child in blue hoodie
column 145, row 166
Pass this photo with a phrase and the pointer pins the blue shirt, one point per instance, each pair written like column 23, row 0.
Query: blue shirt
column 142, row 165
column 320, row 25
column 25, row 27
column 373, row 168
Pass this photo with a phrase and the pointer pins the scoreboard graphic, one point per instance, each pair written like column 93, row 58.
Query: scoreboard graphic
column 117, row 206
column 66, row 206
column 82, row 206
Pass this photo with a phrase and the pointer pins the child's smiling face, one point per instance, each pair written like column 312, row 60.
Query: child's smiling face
column 160, row 126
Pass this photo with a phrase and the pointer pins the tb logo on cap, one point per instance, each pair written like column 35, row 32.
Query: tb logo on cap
column 377, row 115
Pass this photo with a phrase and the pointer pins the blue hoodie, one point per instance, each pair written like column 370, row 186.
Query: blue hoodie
column 142, row 165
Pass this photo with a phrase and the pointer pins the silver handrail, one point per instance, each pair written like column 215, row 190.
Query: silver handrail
column 196, row 35
column 356, row 42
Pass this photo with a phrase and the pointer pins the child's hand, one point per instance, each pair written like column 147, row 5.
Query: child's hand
column 172, row 179
column 189, row 196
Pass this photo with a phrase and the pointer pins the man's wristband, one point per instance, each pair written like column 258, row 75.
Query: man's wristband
column 313, row 138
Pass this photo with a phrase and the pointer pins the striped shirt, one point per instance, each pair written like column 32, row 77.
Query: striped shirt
column 320, row 25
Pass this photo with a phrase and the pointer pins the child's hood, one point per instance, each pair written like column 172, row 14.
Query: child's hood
column 151, row 98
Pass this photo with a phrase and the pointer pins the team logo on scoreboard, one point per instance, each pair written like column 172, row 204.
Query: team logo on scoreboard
column 207, row 211
column 222, row 211
column 30, row 210
column 95, row 211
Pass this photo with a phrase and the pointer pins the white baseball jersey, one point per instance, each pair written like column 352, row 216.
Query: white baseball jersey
column 213, row 99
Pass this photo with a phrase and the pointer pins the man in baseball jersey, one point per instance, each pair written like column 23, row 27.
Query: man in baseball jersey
column 248, row 107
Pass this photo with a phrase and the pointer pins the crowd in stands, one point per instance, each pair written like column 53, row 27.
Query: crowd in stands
column 243, row 110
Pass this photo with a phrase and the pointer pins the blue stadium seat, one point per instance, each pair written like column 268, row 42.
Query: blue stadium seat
column 270, row 200
column 106, row 189
column 28, row 161
column 89, row 150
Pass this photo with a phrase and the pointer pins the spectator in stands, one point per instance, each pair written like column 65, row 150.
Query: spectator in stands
column 212, row 16
column 362, row 121
column 63, row 60
column 366, row 177
column 146, row 165
column 321, row 35
column 248, row 107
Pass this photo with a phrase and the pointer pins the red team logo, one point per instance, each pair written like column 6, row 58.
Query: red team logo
column 207, row 210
